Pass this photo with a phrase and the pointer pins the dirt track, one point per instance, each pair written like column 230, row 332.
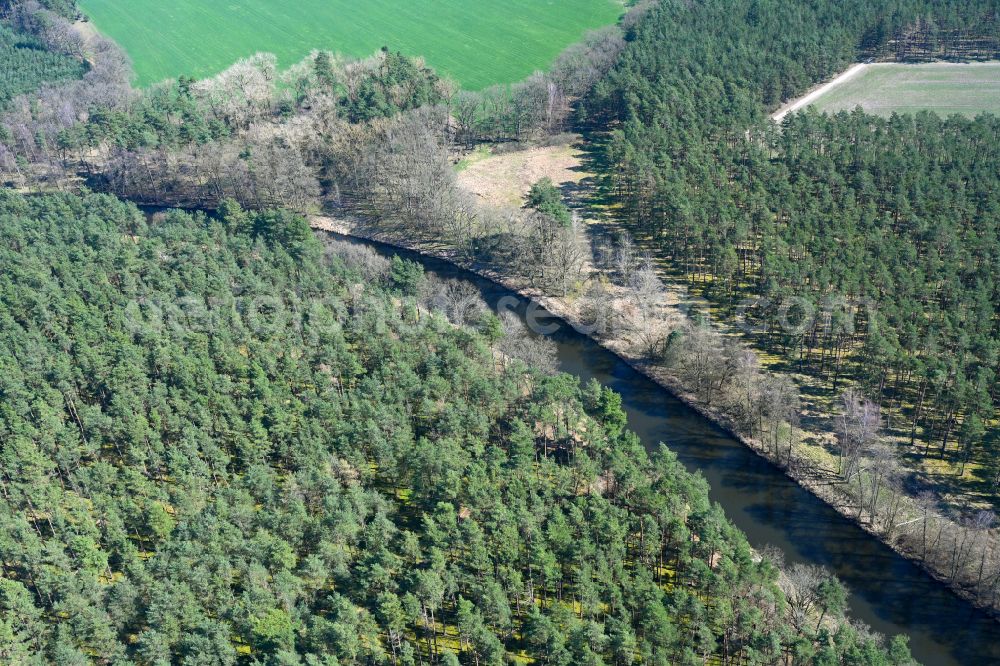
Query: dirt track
column 815, row 93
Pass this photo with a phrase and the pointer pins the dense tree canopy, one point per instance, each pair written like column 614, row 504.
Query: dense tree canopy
column 398, row 84
column 867, row 247
column 222, row 444
column 27, row 64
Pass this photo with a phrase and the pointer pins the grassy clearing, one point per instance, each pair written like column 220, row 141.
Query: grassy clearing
column 504, row 180
column 945, row 88
column 476, row 42
column 479, row 154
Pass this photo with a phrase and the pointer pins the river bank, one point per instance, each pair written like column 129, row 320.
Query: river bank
column 821, row 486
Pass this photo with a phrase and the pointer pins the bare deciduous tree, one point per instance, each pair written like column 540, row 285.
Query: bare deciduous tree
column 519, row 343
column 801, row 586
column 243, row 93
column 857, row 428
column 458, row 300
column 626, row 258
column 598, row 311
column 647, row 319
column 565, row 258
column 407, row 177
column 779, row 399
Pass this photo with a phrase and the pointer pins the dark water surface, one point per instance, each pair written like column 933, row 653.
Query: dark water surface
column 887, row 591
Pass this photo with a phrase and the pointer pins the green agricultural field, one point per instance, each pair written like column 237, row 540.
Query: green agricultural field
column 944, row 88
column 476, row 42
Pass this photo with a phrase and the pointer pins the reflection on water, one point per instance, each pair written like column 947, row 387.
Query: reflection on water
column 887, row 591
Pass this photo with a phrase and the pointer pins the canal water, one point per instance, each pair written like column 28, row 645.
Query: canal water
column 888, row 592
